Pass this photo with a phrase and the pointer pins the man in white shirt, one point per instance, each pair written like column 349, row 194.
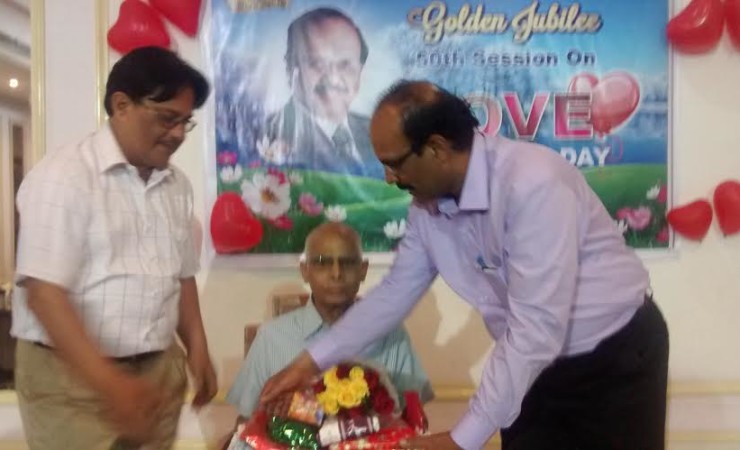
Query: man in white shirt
column 105, row 276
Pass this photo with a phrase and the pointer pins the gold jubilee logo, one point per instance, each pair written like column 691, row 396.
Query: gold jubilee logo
column 436, row 21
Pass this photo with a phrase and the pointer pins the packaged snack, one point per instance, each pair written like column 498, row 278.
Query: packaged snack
column 296, row 435
column 340, row 429
column 305, row 408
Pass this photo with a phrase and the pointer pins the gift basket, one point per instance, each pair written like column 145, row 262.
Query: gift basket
column 350, row 406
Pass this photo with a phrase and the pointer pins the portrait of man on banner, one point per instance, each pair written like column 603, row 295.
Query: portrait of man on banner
column 325, row 55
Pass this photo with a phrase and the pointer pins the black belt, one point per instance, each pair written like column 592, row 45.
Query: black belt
column 133, row 359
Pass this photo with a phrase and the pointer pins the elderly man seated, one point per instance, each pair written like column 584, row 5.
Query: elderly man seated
column 334, row 268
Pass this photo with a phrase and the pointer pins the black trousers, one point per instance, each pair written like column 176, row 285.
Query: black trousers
column 612, row 398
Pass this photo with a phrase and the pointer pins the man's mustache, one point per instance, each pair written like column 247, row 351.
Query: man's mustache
column 324, row 88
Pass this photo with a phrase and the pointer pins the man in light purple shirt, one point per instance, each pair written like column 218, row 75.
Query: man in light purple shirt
column 581, row 351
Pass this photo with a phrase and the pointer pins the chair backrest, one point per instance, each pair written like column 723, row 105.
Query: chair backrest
column 281, row 304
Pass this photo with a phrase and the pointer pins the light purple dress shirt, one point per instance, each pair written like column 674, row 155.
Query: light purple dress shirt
column 532, row 248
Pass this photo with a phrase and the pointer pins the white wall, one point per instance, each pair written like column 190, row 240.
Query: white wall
column 698, row 288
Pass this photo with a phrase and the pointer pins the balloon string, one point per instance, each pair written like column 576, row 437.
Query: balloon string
column 616, row 143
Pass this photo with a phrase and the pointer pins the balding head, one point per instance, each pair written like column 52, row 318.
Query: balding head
column 333, row 265
column 423, row 109
column 329, row 231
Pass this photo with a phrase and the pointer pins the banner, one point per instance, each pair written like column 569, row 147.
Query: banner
column 296, row 82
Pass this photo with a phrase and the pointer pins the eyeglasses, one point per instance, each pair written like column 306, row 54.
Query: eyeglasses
column 327, row 262
column 394, row 165
column 169, row 119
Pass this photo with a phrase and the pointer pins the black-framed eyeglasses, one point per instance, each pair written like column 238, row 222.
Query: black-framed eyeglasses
column 170, row 120
column 394, row 165
column 326, row 262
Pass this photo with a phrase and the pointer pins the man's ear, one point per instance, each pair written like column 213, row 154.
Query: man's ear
column 363, row 269
column 439, row 147
column 304, row 271
column 120, row 103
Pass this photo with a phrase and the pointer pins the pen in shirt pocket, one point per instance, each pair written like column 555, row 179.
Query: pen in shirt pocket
column 485, row 266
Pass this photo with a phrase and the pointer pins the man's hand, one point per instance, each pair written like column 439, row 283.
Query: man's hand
column 297, row 375
column 204, row 377
column 133, row 404
column 439, row 441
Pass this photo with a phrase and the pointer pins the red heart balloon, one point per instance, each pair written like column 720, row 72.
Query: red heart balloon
column 732, row 15
column 727, row 206
column 184, row 14
column 613, row 98
column 233, row 227
column 698, row 27
column 691, row 221
column 138, row 25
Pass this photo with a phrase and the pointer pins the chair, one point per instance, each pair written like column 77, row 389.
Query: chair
column 281, row 304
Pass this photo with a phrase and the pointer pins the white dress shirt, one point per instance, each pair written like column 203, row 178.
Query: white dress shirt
column 117, row 244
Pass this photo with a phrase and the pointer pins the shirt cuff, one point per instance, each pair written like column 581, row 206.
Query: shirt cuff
column 472, row 432
column 322, row 353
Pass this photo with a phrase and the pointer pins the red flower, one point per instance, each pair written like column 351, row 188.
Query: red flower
column 357, row 411
column 343, row 370
column 371, row 378
column 382, row 402
column 662, row 235
column 318, row 387
column 662, row 194
column 282, row 179
column 282, row 223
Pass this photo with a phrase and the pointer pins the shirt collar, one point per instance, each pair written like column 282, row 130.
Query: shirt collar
column 112, row 156
column 109, row 152
column 474, row 195
column 311, row 321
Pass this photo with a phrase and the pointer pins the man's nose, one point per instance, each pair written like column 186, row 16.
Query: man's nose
column 336, row 271
column 178, row 131
column 390, row 177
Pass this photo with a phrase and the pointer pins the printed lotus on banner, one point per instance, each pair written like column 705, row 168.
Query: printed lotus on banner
column 295, row 86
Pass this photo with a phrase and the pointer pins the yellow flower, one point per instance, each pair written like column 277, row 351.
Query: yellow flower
column 330, row 377
column 348, row 399
column 328, row 402
column 356, row 374
column 359, row 388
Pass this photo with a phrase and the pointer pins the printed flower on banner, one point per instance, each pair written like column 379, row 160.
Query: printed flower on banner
column 295, row 178
column 308, row 204
column 653, row 192
column 662, row 235
column 335, row 213
column 230, row 174
column 622, row 226
column 282, row 223
column 275, row 152
column 226, row 158
column 266, row 196
column 395, row 230
column 637, row 219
